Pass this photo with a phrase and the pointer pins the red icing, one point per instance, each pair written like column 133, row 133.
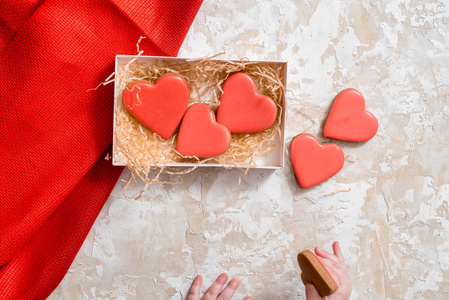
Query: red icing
column 160, row 106
column 314, row 162
column 348, row 120
column 200, row 135
column 242, row 109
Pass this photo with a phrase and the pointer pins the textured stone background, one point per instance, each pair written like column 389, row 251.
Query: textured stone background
column 388, row 206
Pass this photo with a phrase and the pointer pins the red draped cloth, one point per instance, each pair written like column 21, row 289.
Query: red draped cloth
column 54, row 133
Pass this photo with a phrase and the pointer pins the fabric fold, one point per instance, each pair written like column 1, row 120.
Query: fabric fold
column 167, row 22
column 13, row 14
column 54, row 132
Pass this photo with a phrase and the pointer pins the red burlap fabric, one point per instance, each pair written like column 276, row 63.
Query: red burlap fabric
column 54, row 134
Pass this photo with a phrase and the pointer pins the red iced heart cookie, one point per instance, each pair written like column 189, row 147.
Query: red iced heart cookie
column 242, row 109
column 348, row 120
column 314, row 162
column 200, row 135
column 159, row 106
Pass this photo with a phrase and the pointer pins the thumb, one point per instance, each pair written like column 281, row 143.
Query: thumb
column 311, row 292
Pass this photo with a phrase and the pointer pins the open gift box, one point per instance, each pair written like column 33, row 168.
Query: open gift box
column 137, row 147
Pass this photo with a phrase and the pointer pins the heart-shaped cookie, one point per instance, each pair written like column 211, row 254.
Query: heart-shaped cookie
column 200, row 135
column 313, row 271
column 314, row 162
column 348, row 120
column 160, row 106
column 242, row 109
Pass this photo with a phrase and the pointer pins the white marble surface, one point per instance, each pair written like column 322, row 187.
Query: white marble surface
column 388, row 206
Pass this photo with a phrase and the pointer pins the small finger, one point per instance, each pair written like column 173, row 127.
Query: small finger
column 216, row 287
column 195, row 289
column 229, row 291
column 337, row 251
column 311, row 292
column 333, row 264
column 324, row 254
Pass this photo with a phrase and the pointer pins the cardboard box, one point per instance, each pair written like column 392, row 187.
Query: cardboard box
column 271, row 160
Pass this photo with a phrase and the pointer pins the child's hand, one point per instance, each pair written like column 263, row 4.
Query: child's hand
column 215, row 292
column 336, row 266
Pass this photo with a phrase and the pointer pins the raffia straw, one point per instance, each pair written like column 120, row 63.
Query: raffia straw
column 147, row 155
